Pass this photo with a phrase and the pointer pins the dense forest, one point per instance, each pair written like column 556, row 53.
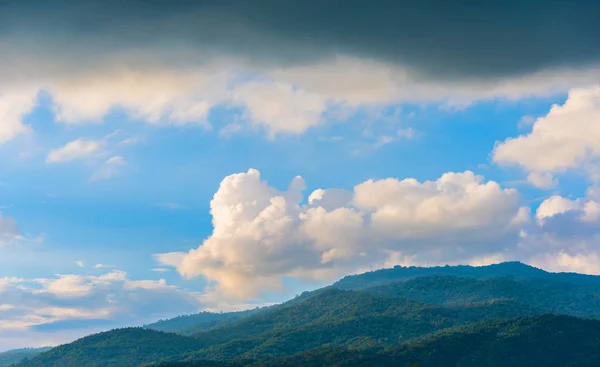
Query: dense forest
column 445, row 316
column 16, row 355
column 191, row 324
column 546, row 340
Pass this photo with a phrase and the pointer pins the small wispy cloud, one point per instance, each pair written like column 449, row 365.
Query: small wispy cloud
column 74, row 150
column 526, row 122
column 80, row 263
column 408, row 133
column 103, row 266
column 160, row 270
column 230, row 129
column 11, row 234
column 132, row 140
column 109, row 168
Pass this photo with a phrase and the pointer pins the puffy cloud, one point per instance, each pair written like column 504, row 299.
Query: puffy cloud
column 591, row 211
column 570, row 218
column 15, row 103
column 76, row 149
column 455, row 203
column 263, row 235
column 330, row 199
column 564, row 237
column 156, row 96
column 38, row 308
column 585, row 210
column 564, row 262
column 568, row 137
column 281, row 107
column 555, row 205
column 542, row 180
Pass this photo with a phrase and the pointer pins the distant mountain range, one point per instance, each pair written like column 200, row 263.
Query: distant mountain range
column 508, row 314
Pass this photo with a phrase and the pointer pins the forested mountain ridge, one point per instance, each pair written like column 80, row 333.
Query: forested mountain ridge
column 333, row 318
column 377, row 322
column 512, row 268
column 203, row 321
column 344, row 319
column 545, row 295
column 515, row 272
column 546, row 340
column 119, row 347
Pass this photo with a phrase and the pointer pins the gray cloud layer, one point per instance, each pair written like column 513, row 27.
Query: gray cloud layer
column 434, row 37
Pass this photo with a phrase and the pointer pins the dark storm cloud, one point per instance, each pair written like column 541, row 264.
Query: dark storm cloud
column 434, row 37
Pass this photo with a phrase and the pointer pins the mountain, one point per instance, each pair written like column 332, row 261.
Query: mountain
column 17, row 355
column 382, row 317
column 343, row 319
column 203, row 321
column 547, row 340
column 515, row 272
column 545, row 294
column 119, row 347
column 334, row 318
column 512, row 268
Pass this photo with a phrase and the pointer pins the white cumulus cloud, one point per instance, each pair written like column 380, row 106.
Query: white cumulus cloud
column 263, row 235
column 281, row 107
column 15, row 103
column 568, row 137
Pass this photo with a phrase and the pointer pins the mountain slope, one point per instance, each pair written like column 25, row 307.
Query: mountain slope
column 547, row 295
column 17, row 355
column 547, row 340
column 190, row 324
column 333, row 318
column 343, row 318
column 203, row 321
column 366, row 321
column 120, row 347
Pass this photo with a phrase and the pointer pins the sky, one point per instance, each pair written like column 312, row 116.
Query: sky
column 159, row 159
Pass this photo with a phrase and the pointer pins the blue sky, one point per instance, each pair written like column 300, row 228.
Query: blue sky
column 154, row 171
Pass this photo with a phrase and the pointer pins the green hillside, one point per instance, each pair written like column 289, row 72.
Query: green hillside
column 423, row 319
column 546, row 295
column 547, row 292
column 344, row 319
column 119, row 347
column 547, row 340
column 334, row 318
column 191, row 324
column 17, row 355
